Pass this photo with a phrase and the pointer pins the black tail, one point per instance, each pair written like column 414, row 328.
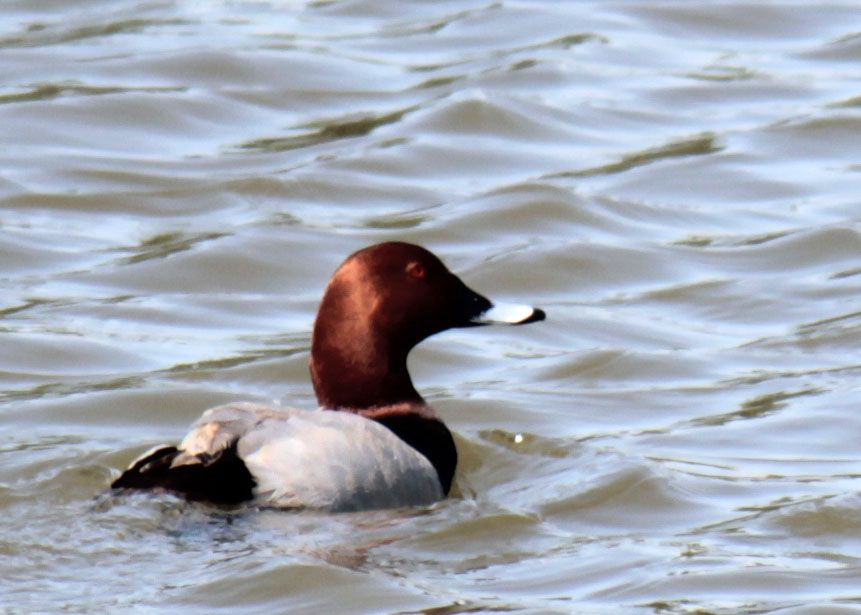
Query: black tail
column 222, row 478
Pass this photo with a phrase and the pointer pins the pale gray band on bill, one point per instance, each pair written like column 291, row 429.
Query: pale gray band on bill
column 506, row 313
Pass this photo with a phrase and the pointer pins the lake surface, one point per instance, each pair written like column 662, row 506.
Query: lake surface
column 678, row 184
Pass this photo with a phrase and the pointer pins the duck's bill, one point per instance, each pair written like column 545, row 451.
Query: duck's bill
column 509, row 314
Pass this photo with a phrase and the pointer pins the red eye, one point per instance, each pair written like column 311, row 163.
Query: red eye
column 416, row 270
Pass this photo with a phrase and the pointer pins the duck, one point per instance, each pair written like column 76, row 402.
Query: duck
column 373, row 443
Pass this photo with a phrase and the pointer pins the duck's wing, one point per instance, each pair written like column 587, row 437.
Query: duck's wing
column 205, row 466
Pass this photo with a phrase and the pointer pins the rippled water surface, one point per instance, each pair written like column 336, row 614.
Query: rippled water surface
column 676, row 183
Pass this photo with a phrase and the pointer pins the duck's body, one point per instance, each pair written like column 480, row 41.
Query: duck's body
column 375, row 443
column 291, row 458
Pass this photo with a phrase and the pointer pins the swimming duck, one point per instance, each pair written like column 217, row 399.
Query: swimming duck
column 374, row 443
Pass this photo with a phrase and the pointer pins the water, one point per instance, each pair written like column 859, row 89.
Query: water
column 676, row 183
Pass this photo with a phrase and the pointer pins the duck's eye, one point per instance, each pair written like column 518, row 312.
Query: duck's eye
column 416, row 270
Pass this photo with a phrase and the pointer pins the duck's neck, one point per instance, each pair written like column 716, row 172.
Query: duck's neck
column 352, row 369
column 344, row 382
